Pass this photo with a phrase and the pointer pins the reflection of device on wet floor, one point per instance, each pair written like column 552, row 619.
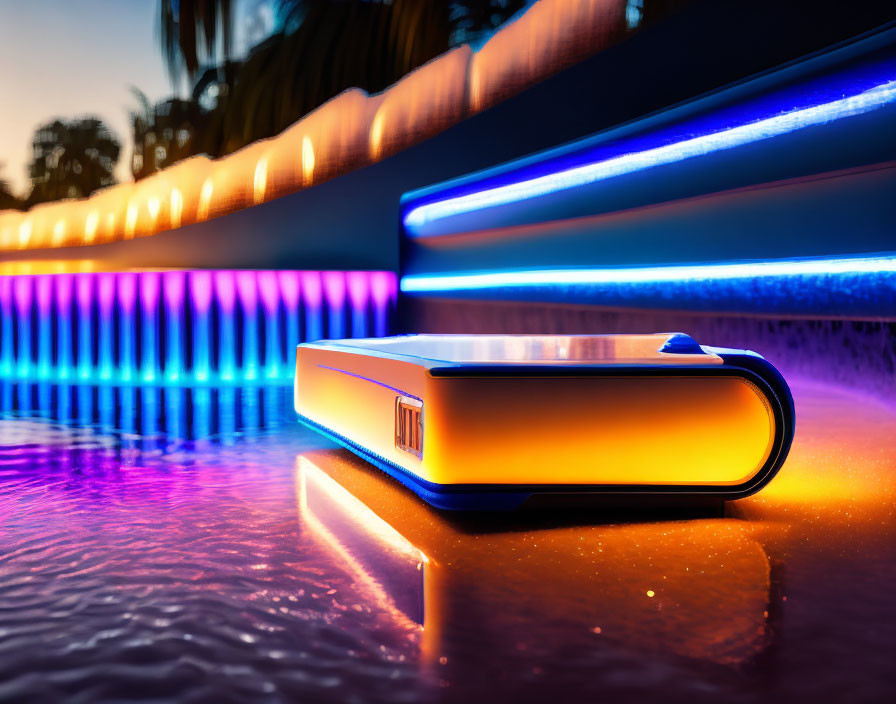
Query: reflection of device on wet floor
column 481, row 422
column 698, row 589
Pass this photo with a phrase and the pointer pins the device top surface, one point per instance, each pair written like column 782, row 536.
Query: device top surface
column 649, row 349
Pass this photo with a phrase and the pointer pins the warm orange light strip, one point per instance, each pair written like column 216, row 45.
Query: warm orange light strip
column 351, row 130
column 67, row 266
column 360, row 515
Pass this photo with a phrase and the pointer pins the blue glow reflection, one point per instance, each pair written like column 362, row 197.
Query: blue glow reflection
column 156, row 413
column 804, row 284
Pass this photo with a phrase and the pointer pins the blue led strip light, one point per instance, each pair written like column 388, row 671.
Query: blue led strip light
column 470, row 281
column 857, row 104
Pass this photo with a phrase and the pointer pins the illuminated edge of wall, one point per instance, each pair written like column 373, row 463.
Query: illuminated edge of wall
column 179, row 327
column 797, row 285
column 625, row 162
column 315, row 145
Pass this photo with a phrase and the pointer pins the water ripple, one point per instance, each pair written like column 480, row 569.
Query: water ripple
column 150, row 567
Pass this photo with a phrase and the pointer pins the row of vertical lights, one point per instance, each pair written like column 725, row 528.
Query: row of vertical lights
column 181, row 327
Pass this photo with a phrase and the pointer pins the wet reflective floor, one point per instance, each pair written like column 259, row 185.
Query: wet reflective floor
column 169, row 544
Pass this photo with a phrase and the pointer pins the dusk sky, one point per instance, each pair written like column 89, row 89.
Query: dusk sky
column 62, row 58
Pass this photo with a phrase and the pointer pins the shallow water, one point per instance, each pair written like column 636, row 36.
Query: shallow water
column 163, row 544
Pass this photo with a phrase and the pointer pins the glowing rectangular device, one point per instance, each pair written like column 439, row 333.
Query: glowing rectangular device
column 484, row 422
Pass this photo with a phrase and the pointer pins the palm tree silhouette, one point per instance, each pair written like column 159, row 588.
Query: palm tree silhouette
column 164, row 133
column 322, row 48
column 72, row 159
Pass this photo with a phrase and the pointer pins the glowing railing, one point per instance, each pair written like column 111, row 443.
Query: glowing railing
column 181, row 327
column 349, row 131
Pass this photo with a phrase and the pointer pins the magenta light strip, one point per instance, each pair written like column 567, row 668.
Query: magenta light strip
column 179, row 327
column 201, row 294
column 269, row 293
column 150, row 284
column 7, row 341
column 64, row 284
column 247, row 292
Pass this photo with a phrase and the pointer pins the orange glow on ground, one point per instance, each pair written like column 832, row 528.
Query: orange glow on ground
column 842, row 467
column 816, row 545
column 322, row 502
column 714, row 575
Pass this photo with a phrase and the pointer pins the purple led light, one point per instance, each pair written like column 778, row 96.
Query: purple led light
column 225, row 290
column 105, row 326
column 149, row 291
column 106, row 291
column 201, row 290
column 334, row 288
column 269, row 291
column 127, row 325
column 85, row 291
column 6, row 326
column 5, row 290
column 64, row 285
column 150, row 284
column 289, row 287
column 334, row 292
column 270, row 300
column 384, row 286
column 44, row 295
column 358, row 283
column 312, row 290
column 384, row 290
column 23, row 294
column 290, row 283
column 247, row 289
column 200, row 283
column 173, row 284
column 358, row 288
